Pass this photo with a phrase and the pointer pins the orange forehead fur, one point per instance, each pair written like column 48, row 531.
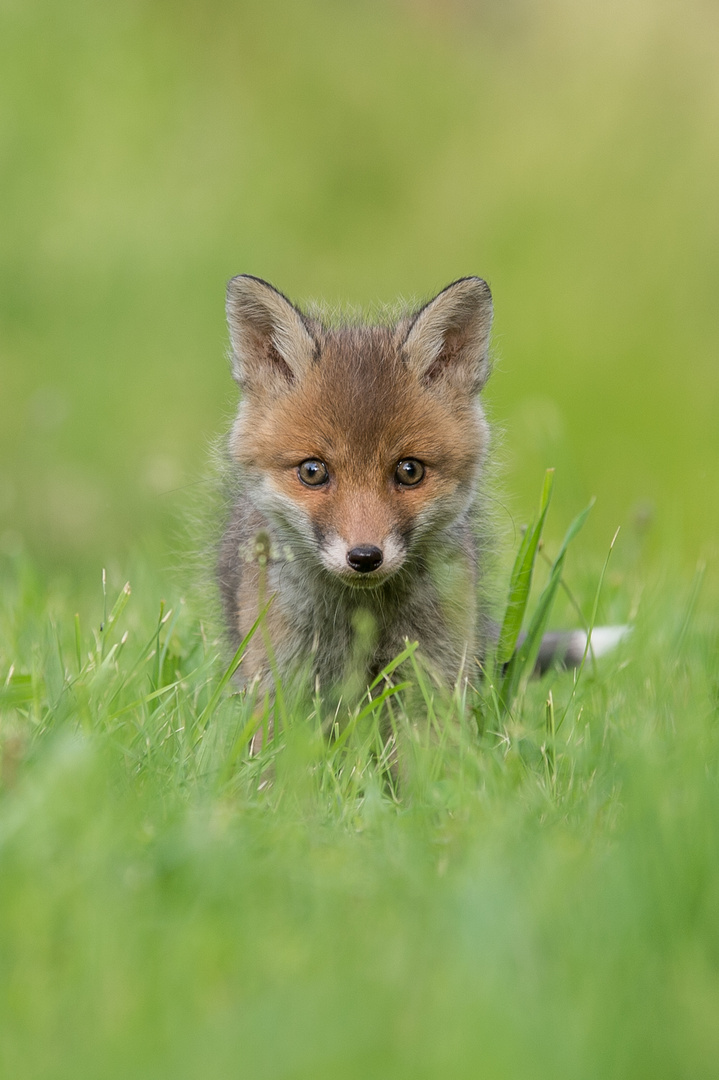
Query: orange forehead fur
column 360, row 409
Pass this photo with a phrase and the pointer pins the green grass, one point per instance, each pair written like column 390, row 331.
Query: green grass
column 520, row 898
column 538, row 897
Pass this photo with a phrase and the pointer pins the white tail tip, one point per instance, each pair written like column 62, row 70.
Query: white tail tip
column 603, row 639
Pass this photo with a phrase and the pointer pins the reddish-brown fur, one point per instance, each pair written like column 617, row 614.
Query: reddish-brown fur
column 361, row 411
column 359, row 399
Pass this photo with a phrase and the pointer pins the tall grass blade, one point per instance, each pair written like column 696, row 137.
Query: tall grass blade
column 592, row 623
column 78, row 643
column 688, row 614
column 388, row 669
column 523, row 660
column 229, row 671
column 521, row 580
column 18, row 690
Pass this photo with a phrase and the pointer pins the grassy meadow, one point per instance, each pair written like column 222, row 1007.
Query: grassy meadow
column 535, row 891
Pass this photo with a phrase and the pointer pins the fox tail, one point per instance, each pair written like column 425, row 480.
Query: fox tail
column 566, row 648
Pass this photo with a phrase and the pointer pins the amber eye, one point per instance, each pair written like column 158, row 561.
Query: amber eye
column 313, row 472
column 409, row 472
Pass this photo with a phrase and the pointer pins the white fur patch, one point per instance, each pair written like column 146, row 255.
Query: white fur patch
column 394, row 553
column 335, row 549
column 333, row 554
column 604, row 639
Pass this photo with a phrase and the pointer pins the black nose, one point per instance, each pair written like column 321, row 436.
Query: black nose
column 364, row 559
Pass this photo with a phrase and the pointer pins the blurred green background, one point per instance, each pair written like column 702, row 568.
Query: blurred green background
column 356, row 152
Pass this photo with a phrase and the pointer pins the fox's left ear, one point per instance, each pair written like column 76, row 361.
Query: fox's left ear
column 448, row 340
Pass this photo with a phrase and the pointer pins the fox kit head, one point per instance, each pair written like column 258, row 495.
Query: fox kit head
column 360, row 443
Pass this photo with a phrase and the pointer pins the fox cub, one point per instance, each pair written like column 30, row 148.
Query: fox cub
column 357, row 459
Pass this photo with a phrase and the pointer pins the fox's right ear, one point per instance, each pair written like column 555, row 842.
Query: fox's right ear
column 271, row 345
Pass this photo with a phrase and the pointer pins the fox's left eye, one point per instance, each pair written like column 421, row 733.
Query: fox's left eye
column 313, row 472
column 409, row 472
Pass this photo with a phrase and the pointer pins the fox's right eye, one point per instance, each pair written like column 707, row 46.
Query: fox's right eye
column 313, row 472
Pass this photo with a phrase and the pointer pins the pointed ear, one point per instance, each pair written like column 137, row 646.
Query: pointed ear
column 448, row 340
column 271, row 345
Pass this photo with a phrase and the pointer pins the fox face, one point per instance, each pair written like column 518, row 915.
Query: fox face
column 360, row 443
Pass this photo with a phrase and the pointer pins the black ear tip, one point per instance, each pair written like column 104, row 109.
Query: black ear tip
column 241, row 283
column 235, row 285
column 471, row 288
column 478, row 285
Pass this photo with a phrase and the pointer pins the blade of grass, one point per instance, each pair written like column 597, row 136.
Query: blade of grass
column 372, row 706
column 229, row 671
column 592, row 622
column 144, row 654
column 239, row 745
column 688, row 613
column 18, row 690
column 394, row 664
column 153, row 696
column 160, row 623
column 104, row 613
column 524, row 659
column 78, row 643
column 168, row 636
column 548, row 749
column 521, row 580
